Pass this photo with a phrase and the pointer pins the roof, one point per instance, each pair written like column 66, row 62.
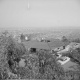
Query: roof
column 36, row 44
column 57, row 43
column 44, row 45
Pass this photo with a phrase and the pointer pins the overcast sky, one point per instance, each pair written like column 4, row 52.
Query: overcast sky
column 39, row 13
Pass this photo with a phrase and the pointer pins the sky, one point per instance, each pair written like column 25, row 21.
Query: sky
column 23, row 14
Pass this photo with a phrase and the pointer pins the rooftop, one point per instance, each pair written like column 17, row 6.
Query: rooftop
column 36, row 44
column 44, row 45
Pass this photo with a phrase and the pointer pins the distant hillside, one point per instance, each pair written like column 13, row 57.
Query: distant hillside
column 47, row 33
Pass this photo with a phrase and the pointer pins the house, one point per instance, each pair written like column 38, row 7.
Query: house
column 67, row 64
column 71, row 46
column 64, row 61
column 44, row 45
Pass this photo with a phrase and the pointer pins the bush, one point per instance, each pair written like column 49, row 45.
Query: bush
column 72, row 75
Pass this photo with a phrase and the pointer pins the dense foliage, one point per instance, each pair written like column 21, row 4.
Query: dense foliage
column 9, row 52
column 41, row 65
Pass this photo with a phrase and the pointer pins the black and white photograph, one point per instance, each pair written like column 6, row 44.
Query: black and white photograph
column 39, row 39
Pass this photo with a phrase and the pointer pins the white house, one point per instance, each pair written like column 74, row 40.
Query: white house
column 65, row 60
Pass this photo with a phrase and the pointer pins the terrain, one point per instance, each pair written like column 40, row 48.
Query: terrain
column 42, row 63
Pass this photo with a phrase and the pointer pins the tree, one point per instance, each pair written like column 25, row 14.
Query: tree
column 41, row 65
column 6, row 33
column 22, row 37
column 64, row 39
column 10, row 53
column 3, row 55
column 48, row 67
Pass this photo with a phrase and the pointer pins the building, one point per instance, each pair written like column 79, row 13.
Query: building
column 44, row 45
column 70, row 47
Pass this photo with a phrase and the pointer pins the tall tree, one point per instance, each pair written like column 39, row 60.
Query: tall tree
column 64, row 39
